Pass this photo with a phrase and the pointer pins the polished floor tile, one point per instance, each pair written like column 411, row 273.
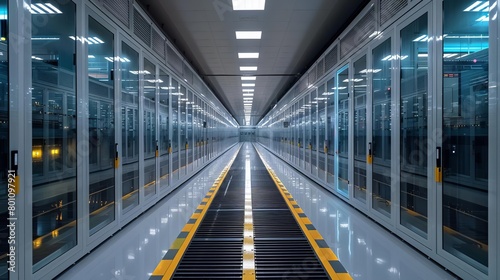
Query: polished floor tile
column 366, row 249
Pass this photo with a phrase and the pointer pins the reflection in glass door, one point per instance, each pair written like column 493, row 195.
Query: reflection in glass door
column 54, row 132
column 189, row 122
column 360, row 156
column 381, row 128
column 314, row 130
column 342, row 151
column 130, row 127
column 307, row 132
column 164, row 142
column 465, row 133
column 149, row 123
column 183, row 98
column 331, row 135
column 101, row 128
column 322, row 131
column 413, row 130
column 174, row 95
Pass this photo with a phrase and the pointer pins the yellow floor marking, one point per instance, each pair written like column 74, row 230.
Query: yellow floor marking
column 166, row 268
column 325, row 255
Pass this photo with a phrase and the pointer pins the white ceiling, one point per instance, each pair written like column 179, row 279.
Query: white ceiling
column 294, row 35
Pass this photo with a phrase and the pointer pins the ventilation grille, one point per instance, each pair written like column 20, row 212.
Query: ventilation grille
column 142, row 28
column 158, row 44
column 302, row 84
column 360, row 32
column 120, row 9
column 312, row 76
column 331, row 58
column 389, row 8
column 174, row 60
column 320, row 69
column 197, row 84
column 188, row 74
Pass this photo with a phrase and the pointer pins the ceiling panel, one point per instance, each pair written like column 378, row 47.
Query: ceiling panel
column 294, row 34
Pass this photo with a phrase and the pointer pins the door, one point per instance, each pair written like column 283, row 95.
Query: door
column 101, row 118
column 342, row 130
column 415, row 160
column 379, row 147
column 463, row 148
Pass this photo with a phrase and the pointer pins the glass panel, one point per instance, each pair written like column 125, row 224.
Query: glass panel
column 130, row 127
column 465, row 133
column 189, row 115
column 150, row 142
column 330, row 126
column 175, row 128
column 413, row 135
column 101, row 128
column 54, row 129
column 343, row 131
column 314, row 131
column 381, row 129
column 322, row 144
column 307, row 131
column 182, row 129
column 360, row 70
column 4, row 135
column 164, row 142
column 300, row 136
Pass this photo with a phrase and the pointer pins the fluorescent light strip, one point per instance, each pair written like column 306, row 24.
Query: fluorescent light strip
column 249, row 5
column 485, row 5
column 247, row 94
column 245, row 90
column 248, row 35
column 468, row 9
column 248, row 68
column 248, row 78
column 247, row 85
column 248, row 55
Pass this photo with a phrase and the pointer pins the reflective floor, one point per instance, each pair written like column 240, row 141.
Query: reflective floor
column 365, row 249
column 134, row 252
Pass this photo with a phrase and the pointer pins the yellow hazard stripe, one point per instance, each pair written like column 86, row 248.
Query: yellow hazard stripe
column 328, row 259
column 167, row 266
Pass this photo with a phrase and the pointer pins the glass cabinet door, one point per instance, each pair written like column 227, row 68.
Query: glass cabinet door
column 360, row 150
column 174, row 95
column 183, row 98
column 189, row 121
column 342, row 151
column 465, row 132
column 54, row 135
column 314, row 131
column 130, row 127
column 413, row 130
column 149, row 123
column 307, row 132
column 164, row 141
column 331, row 137
column 101, row 128
column 381, row 128
column 322, row 131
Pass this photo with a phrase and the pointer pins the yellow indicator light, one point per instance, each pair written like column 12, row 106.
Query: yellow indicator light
column 36, row 154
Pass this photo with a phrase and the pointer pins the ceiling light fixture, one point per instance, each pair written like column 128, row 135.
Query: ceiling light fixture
column 248, row 90
column 248, row 55
column 248, row 68
column 248, row 78
column 249, row 5
column 247, row 85
column 247, row 94
column 248, row 35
